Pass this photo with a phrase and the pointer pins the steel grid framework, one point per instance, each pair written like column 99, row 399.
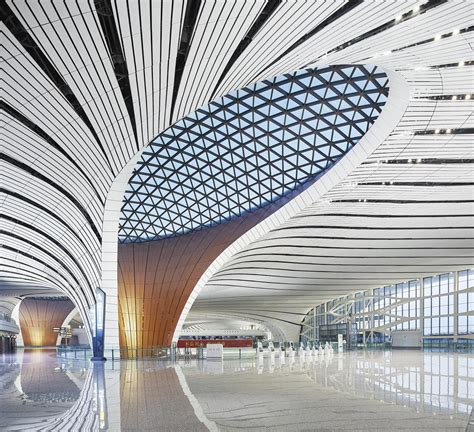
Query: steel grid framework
column 249, row 148
column 439, row 306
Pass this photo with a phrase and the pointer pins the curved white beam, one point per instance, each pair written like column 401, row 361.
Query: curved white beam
column 76, row 101
column 390, row 116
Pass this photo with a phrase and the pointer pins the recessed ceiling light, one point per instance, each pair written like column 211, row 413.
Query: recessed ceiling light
column 468, row 96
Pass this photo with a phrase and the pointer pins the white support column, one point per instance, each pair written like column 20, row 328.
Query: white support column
column 456, row 306
column 110, row 228
column 314, row 324
column 422, row 309
column 16, row 316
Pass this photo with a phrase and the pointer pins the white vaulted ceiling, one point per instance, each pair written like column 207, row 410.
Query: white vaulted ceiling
column 399, row 205
column 86, row 85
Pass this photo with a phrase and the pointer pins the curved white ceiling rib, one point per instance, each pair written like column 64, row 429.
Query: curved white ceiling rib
column 404, row 210
column 85, row 85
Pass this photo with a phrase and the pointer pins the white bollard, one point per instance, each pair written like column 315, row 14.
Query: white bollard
column 301, row 351
column 327, row 350
column 308, row 351
column 271, row 352
column 260, row 352
column 291, row 351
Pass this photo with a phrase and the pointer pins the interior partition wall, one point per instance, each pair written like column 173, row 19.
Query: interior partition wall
column 441, row 307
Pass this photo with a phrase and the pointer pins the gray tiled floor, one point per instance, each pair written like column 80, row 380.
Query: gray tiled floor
column 400, row 390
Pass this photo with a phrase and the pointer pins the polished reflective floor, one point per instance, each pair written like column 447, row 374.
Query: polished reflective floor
column 379, row 390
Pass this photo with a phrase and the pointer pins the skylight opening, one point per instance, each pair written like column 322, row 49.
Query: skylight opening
column 248, row 149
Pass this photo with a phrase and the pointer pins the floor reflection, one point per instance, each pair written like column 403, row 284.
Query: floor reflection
column 152, row 396
column 397, row 390
column 37, row 387
column 437, row 383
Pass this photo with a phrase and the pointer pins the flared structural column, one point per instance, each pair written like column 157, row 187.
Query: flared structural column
column 38, row 318
column 156, row 278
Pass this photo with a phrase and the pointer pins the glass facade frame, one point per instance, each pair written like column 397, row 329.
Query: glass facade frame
column 440, row 306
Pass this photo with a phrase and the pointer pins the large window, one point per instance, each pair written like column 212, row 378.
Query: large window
column 466, row 302
column 444, row 312
column 438, row 307
column 397, row 306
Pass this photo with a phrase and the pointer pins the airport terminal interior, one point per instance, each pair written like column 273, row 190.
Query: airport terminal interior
column 237, row 215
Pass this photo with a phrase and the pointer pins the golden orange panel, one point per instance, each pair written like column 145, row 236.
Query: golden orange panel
column 156, row 278
column 39, row 316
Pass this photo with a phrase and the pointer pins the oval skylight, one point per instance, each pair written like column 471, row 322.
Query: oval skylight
column 248, row 149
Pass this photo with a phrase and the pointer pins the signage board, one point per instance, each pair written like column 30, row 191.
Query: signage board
column 98, row 324
column 340, row 342
column 215, row 351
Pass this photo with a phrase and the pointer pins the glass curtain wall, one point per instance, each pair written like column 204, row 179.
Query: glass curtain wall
column 439, row 306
